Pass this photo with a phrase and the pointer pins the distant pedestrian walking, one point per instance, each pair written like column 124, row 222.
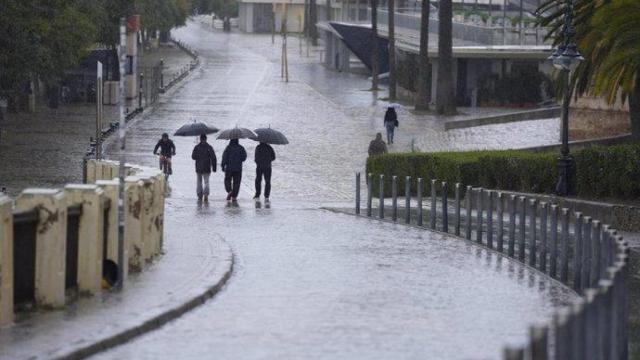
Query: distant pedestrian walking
column 205, row 159
column 232, row 158
column 377, row 146
column 390, row 123
column 263, row 158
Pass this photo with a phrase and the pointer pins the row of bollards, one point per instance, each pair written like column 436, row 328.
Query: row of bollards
column 576, row 250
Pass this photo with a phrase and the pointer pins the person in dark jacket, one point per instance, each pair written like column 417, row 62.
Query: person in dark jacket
column 390, row 123
column 377, row 146
column 232, row 158
column 167, row 150
column 205, row 159
column 263, row 158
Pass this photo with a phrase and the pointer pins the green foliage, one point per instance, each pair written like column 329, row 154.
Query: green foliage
column 608, row 36
column 41, row 39
column 609, row 172
column 162, row 15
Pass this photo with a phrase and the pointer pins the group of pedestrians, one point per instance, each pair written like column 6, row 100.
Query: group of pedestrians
column 378, row 146
column 233, row 158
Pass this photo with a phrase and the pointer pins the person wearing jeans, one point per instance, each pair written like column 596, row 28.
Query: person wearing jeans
column 390, row 123
column 205, row 159
column 263, row 158
column 232, row 158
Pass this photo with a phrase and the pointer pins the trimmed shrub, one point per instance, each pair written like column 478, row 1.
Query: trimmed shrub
column 599, row 172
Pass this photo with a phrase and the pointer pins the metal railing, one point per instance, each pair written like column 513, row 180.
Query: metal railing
column 575, row 249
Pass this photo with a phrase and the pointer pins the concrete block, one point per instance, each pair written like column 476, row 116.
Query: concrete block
column 110, row 190
column 133, row 221
column 161, row 185
column 6, row 260
column 91, row 171
column 147, row 218
column 51, row 244
column 90, row 235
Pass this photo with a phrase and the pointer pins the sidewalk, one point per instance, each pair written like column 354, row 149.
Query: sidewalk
column 45, row 148
column 195, row 267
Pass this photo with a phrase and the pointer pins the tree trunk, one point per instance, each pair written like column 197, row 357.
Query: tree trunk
column 422, row 89
column 375, row 67
column 392, row 50
column 445, row 96
column 313, row 19
column 634, row 110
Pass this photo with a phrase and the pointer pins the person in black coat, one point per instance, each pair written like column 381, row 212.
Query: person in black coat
column 206, row 161
column 263, row 158
column 390, row 123
column 232, row 158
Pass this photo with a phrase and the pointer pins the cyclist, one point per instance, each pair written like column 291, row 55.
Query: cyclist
column 167, row 150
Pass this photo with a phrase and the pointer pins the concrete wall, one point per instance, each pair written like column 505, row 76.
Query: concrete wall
column 258, row 17
column 98, row 227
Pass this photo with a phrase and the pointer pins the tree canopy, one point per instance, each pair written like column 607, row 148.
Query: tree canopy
column 42, row 38
column 608, row 36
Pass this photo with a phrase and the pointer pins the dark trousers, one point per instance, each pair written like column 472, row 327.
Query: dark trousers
column 266, row 173
column 232, row 182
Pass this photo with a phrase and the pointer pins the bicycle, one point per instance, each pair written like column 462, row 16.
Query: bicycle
column 165, row 165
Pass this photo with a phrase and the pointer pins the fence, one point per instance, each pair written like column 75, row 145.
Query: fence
column 573, row 248
column 53, row 241
column 499, row 32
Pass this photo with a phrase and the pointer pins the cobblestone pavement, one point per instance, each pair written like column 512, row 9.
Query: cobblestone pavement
column 45, row 149
column 307, row 282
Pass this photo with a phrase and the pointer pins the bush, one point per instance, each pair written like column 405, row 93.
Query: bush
column 610, row 172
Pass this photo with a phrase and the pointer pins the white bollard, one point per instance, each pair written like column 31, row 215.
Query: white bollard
column 90, row 235
column 6, row 261
column 51, row 244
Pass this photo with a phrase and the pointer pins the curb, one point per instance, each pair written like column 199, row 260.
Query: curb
column 523, row 115
column 155, row 322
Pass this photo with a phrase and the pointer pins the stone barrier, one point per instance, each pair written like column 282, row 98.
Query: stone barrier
column 53, row 241
column 577, row 250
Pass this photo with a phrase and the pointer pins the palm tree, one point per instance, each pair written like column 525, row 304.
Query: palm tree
column 392, row 50
column 445, row 97
column 422, row 103
column 375, row 67
column 608, row 36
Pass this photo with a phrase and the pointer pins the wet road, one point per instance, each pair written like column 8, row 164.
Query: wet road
column 310, row 283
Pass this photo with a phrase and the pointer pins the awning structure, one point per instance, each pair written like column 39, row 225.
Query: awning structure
column 359, row 39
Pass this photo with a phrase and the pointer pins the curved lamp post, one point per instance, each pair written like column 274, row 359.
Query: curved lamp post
column 566, row 58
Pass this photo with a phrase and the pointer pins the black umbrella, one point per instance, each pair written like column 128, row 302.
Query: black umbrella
column 236, row 133
column 270, row 136
column 195, row 129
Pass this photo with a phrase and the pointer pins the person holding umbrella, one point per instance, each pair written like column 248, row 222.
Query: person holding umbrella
column 232, row 158
column 205, row 159
column 264, row 157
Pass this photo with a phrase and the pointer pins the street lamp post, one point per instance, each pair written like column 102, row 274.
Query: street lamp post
column 565, row 58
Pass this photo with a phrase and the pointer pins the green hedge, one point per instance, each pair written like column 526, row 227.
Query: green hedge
column 610, row 172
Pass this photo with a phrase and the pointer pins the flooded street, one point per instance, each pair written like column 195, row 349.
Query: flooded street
column 310, row 283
